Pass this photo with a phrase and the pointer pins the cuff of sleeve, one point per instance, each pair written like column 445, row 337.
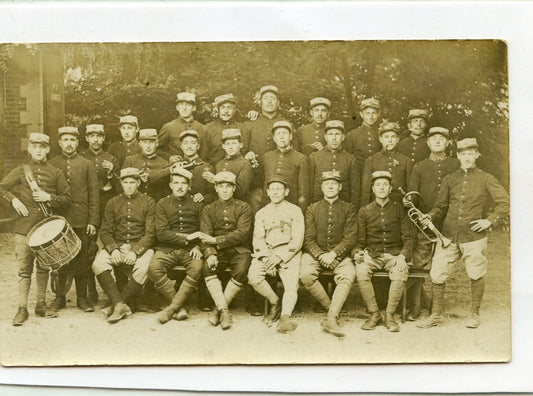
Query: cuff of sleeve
column 138, row 250
column 111, row 247
column 406, row 254
column 494, row 219
column 339, row 252
column 209, row 251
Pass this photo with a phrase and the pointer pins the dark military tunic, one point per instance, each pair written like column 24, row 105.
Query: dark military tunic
column 397, row 164
column 49, row 178
column 213, row 139
column 330, row 227
column 158, row 170
column 242, row 169
column 306, row 135
column 175, row 218
column 169, row 136
column 427, row 176
column 230, row 222
column 121, row 150
column 463, row 197
column 362, row 142
column 384, row 229
column 294, row 167
column 83, row 182
column 101, row 173
column 414, row 149
column 258, row 136
column 197, row 167
column 340, row 160
column 129, row 220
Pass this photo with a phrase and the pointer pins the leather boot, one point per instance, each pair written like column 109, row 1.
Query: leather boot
column 286, row 324
column 109, row 286
column 395, row 295
column 436, row 318
column 185, row 290
column 214, row 317
column 21, row 316
column 120, row 311
column 330, row 325
column 225, row 319
column 130, row 291
column 367, row 294
column 81, row 295
column 371, row 323
column 390, row 323
column 274, row 313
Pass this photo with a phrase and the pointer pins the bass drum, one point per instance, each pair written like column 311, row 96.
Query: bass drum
column 53, row 242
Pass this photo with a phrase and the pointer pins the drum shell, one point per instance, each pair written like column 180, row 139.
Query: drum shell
column 59, row 250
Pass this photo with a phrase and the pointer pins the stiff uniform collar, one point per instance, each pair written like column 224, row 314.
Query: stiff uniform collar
column 183, row 199
column 69, row 156
column 379, row 206
column 333, row 151
column 187, row 121
column 438, row 157
column 473, row 169
column 135, row 195
column 334, row 201
column 149, row 156
column 284, row 151
column 227, row 157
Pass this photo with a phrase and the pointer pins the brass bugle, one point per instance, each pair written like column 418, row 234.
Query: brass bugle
column 416, row 216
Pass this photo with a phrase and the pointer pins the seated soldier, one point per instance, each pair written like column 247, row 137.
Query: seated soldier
column 177, row 219
column 383, row 243
column 330, row 234
column 225, row 230
column 201, row 189
column 277, row 241
column 154, row 168
column 127, row 234
column 235, row 163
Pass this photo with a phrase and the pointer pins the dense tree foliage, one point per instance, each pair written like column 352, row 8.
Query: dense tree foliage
column 462, row 83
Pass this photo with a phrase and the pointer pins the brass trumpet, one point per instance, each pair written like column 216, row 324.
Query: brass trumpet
column 108, row 166
column 415, row 215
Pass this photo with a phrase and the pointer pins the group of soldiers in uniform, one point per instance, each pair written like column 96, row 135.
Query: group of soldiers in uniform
column 263, row 199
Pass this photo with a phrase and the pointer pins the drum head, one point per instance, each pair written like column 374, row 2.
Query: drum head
column 46, row 232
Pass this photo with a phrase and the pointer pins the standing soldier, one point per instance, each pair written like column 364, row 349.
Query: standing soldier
column 362, row 142
column 106, row 167
column 289, row 163
column 177, row 220
column 54, row 194
column 170, row 132
column 335, row 158
column 462, row 203
column 154, row 169
column 129, row 145
column 127, row 234
column 388, row 159
column 82, row 214
column 227, row 108
column 330, row 235
column 225, row 230
column 201, row 189
column 414, row 146
column 383, row 243
column 278, row 237
column 235, row 163
column 426, row 179
column 310, row 137
column 258, row 138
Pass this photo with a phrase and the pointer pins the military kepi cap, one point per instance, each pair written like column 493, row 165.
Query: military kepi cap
column 225, row 177
column 334, row 124
column 231, row 133
column 226, row 98
column 128, row 119
column 148, row 134
column 95, row 128
column 186, row 97
column 370, row 102
column 418, row 113
column 178, row 170
column 130, row 172
column 320, row 101
column 68, row 130
column 268, row 88
column 468, row 143
column 439, row 130
column 381, row 175
column 37, row 137
column 331, row 175
column 186, row 133
column 277, row 178
column 387, row 126
column 282, row 124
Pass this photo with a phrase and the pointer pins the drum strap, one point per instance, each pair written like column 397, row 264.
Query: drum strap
column 34, row 188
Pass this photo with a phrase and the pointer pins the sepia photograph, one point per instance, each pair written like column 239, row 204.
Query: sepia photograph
column 254, row 203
